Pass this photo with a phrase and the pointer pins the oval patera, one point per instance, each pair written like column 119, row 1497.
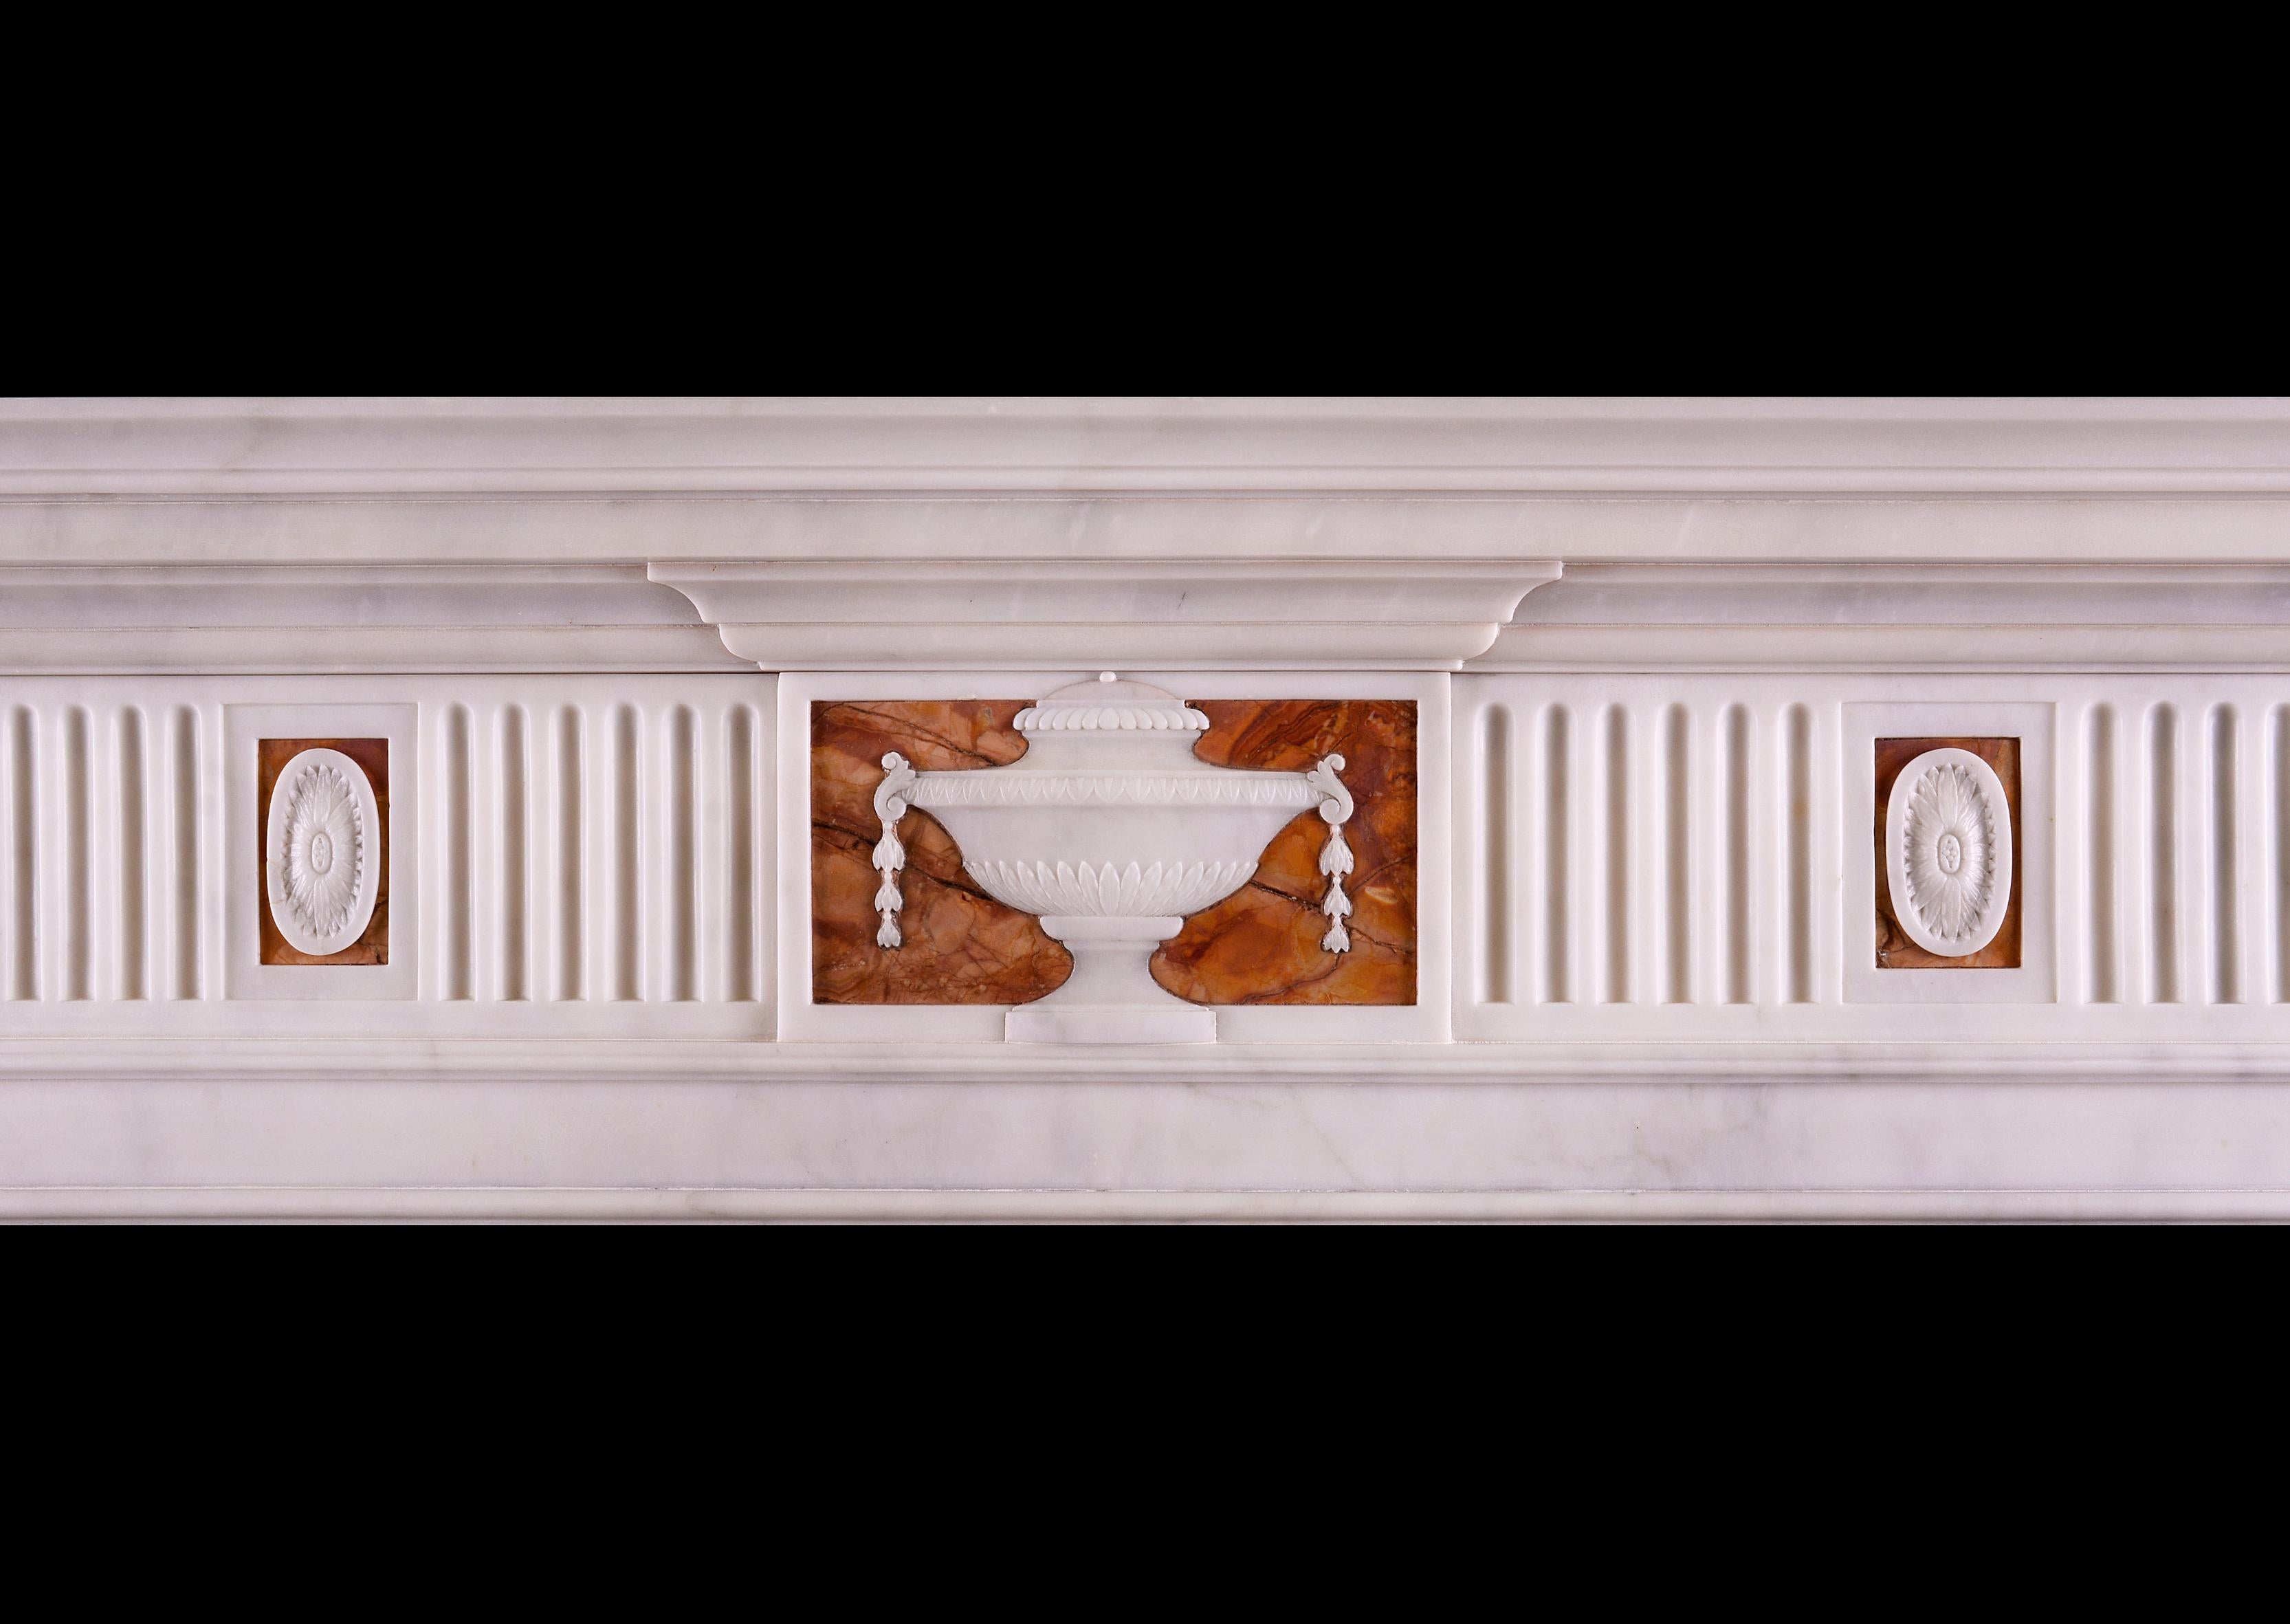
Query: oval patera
column 1947, row 853
column 322, row 853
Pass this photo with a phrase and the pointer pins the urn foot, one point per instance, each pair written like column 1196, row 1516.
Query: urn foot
column 1111, row 997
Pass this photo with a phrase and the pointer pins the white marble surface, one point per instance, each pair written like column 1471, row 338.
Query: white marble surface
column 1728, row 600
column 1839, row 1149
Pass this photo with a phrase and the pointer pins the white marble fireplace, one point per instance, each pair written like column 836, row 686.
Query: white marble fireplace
column 1808, row 808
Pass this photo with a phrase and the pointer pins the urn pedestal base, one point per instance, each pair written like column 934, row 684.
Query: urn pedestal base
column 1111, row 997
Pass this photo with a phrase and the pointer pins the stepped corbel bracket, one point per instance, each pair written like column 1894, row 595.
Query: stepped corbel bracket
column 1286, row 612
column 891, row 801
column 1336, row 855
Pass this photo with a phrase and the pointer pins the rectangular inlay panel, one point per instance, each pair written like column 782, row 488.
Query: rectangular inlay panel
column 1895, row 950
column 271, row 756
column 1259, row 947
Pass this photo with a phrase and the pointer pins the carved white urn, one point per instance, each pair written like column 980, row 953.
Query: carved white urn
column 1111, row 830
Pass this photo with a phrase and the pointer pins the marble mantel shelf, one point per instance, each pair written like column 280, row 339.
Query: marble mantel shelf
column 1132, row 446
column 292, row 480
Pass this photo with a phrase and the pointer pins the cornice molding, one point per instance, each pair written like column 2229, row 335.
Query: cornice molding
column 194, row 619
column 1685, row 617
column 623, row 528
column 407, row 481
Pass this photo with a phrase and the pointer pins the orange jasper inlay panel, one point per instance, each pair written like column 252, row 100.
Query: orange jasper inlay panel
column 962, row 947
column 1260, row 946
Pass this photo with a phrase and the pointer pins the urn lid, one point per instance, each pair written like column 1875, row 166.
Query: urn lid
column 1110, row 704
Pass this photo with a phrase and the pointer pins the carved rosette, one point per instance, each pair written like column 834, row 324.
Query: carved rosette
column 322, row 853
column 1947, row 846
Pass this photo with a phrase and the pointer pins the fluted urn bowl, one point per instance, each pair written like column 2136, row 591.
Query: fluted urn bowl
column 1111, row 830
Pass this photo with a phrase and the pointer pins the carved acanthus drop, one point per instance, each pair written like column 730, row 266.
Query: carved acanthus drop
column 890, row 856
column 1336, row 855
